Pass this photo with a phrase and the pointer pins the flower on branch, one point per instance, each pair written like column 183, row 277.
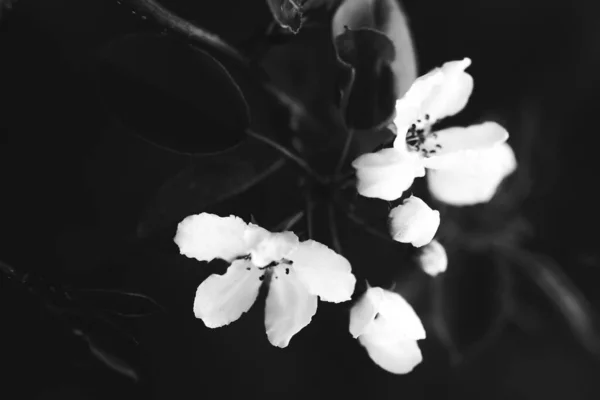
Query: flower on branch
column 388, row 327
column 297, row 272
column 440, row 93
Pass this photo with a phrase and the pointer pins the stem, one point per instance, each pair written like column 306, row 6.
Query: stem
column 349, row 132
column 335, row 237
column 289, row 222
column 309, row 212
column 345, row 150
column 368, row 227
column 287, row 153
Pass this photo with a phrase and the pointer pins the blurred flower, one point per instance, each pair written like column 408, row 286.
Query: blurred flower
column 414, row 222
column 388, row 327
column 440, row 93
column 298, row 272
column 475, row 176
column 433, row 259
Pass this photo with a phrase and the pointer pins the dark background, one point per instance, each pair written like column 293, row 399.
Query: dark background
column 74, row 184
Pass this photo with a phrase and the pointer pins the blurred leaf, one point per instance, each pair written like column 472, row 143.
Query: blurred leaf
column 548, row 275
column 171, row 94
column 110, row 360
column 371, row 97
column 117, row 302
column 208, row 180
column 384, row 16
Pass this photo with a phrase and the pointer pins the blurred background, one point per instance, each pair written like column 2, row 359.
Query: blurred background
column 88, row 203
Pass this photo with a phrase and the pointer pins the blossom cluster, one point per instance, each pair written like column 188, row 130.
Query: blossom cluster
column 465, row 166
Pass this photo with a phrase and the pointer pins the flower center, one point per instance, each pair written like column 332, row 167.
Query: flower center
column 418, row 133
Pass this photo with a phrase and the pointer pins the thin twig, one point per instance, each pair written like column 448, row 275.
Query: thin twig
column 310, row 203
column 368, row 227
column 289, row 222
column 349, row 132
column 288, row 153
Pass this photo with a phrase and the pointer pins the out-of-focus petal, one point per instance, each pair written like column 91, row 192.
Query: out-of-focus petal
column 457, row 143
column 433, row 259
column 399, row 357
column 208, row 236
column 274, row 247
column 324, row 272
column 222, row 299
column 440, row 93
column 474, row 178
column 289, row 308
column 387, row 173
column 414, row 222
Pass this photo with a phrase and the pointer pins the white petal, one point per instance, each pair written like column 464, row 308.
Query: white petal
column 222, row 299
column 387, row 173
column 414, row 222
column 363, row 312
column 457, row 143
column 474, row 178
column 386, row 317
column 433, row 258
column 274, row 247
column 208, row 236
column 440, row 93
column 324, row 272
column 290, row 307
column 399, row 357
column 452, row 95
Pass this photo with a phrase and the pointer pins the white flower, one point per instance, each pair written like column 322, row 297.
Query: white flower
column 440, row 93
column 298, row 272
column 414, row 222
column 433, row 259
column 388, row 327
column 474, row 177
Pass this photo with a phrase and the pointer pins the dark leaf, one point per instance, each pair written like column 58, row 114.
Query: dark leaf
column 110, row 360
column 369, row 103
column 171, row 94
column 371, row 57
column 117, row 302
column 208, row 180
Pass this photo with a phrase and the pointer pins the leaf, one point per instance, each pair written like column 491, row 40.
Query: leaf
column 117, row 302
column 384, row 16
column 171, row 94
column 371, row 97
column 208, row 180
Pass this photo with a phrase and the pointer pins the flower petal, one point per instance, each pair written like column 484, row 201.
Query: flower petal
column 363, row 312
column 457, row 143
column 433, row 258
column 452, row 95
column 387, row 173
column 414, row 222
column 274, row 247
column 440, row 93
column 222, row 299
column 474, row 178
column 324, row 272
column 290, row 307
column 208, row 236
column 399, row 357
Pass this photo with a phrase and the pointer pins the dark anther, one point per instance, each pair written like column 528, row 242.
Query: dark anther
column 287, row 271
column 245, row 257
column 247, row 268
column 261, row 278
column 376, row 316
column 426, row 117
column 286, row 261
column 439, row 146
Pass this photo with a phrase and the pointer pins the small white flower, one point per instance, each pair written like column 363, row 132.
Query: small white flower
column 440, row 93
column 414, row 222
column 433, row 259
column 388, row 327
column 474, row 177
column 298, row 272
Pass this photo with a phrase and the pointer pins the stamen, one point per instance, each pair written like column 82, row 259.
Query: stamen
column 417, row 135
